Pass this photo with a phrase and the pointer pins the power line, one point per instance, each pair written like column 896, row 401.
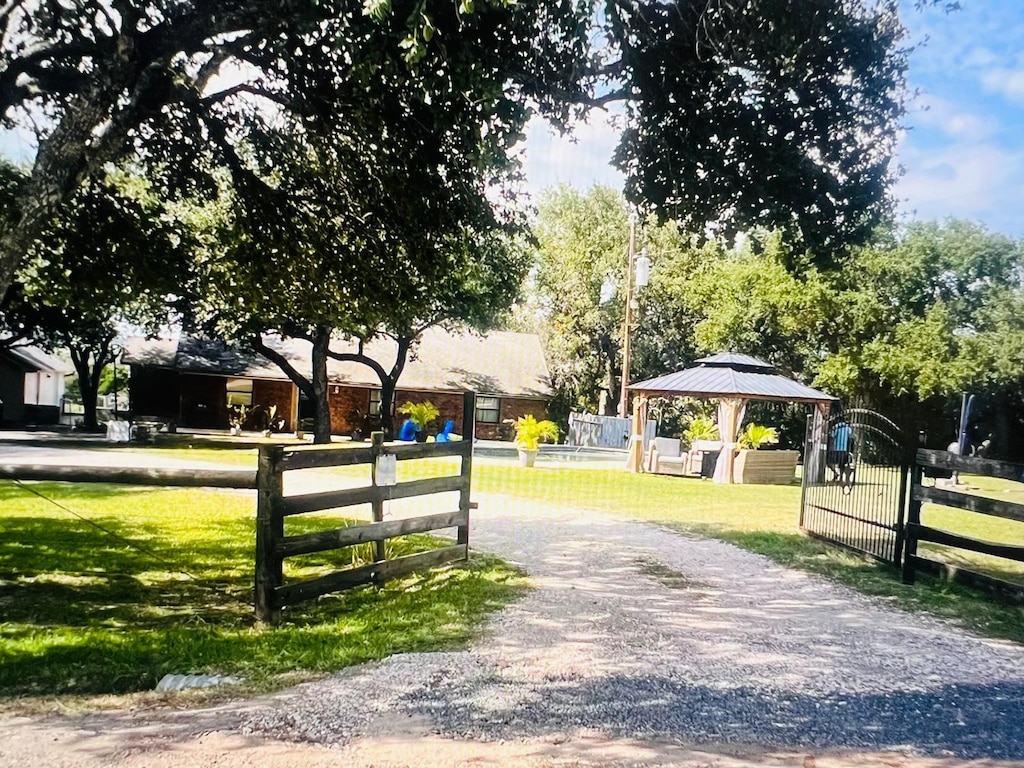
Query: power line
column 172, row 567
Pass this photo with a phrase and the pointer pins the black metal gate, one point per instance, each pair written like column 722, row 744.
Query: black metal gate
column 856, row 498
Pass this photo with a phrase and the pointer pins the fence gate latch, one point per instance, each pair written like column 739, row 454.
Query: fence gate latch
column 387, row 469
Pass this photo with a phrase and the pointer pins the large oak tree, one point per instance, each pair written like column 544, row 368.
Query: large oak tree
column 778, row 112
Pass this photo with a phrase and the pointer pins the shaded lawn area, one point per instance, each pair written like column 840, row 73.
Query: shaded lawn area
column 82, row 611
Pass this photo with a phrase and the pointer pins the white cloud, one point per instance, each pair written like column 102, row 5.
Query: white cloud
column 952, row 119
column 968, row 181
column 1006, row 81
column 580, row 159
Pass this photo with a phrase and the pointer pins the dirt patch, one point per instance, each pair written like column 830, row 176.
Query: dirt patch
column 674, row 579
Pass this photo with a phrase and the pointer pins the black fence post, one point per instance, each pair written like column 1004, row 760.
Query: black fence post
column 269, row 531
column 913, row 522
column 466, row 469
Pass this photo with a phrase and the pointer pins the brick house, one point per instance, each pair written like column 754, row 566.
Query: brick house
column 194, row 382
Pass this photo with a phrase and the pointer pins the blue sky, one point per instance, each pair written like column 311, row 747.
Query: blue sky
column 963, row 153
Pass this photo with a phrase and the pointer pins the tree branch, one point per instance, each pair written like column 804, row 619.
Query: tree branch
column 281, row 362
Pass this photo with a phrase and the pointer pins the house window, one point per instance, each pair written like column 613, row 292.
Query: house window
column 239, row 392
column 42, row 388
column 487, row 409
column 375, row 402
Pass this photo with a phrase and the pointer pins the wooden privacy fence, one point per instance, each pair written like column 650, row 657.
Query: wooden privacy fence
column 917, row 532
column 272, row 546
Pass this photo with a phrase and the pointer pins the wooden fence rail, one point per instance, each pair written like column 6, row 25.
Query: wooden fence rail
column 272, row 546
column 184, row 478
column 917, row 532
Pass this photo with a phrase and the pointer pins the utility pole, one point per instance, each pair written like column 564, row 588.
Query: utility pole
column 628, row 324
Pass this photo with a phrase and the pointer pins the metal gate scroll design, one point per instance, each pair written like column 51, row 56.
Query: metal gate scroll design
column 861, row 505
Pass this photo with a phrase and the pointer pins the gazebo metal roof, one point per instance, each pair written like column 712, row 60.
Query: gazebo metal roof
column 731, row 375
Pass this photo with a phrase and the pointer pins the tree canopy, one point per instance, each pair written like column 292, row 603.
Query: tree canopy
column 777, row 112
column 111, row 257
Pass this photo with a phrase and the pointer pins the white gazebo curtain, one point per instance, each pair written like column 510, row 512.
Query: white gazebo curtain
column 730, row 417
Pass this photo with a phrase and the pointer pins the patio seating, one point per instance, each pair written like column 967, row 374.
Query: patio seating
column 665, row 457
column 699, row 449
column 408, row 431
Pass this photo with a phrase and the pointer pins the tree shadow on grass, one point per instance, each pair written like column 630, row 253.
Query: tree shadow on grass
column 64, row 572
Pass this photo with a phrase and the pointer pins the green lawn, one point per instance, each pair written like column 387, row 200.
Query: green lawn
column 83, row 611
column 977, row 526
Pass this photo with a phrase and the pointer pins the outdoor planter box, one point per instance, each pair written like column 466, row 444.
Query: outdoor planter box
column 765, row 467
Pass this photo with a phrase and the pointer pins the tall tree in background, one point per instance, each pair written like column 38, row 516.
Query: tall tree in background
column 110, row 258
column 581, row 245
column 370, row 240
column 781, row 113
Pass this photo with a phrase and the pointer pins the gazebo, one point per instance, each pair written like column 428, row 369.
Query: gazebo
column 733, row 380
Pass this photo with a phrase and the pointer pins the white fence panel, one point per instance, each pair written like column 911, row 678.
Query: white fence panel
column 592, row 431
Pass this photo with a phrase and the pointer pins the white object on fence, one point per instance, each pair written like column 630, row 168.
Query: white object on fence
column 387, row 469
column 119, row 431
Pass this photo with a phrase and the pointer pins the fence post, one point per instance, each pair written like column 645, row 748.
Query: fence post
column 377, row 504
column 913, row 521
column 466, row 469
column 269, row 531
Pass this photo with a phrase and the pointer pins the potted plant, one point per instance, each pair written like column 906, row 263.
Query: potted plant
column 756, row 435
column 756, row 466
column 701, row 428
column 529, row 434
column 272, row 422
column 421, row 415
column 237, row 414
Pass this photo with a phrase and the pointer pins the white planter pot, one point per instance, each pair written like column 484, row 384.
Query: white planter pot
column 236, row 431
column 527, row 458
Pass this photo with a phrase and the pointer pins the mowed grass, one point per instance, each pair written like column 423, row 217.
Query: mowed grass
column 762, row 518
column 144, row 582
column 977, row 526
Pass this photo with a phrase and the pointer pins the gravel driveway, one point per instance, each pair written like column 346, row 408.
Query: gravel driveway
column 640, row 636
column 637, row 631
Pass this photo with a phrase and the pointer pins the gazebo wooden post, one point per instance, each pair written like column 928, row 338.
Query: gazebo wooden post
column 814, row 463
column 635, row 458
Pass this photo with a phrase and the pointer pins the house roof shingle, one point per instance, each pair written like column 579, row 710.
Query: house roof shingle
column 501, row 362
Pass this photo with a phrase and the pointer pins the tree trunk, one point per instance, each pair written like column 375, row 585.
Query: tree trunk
column 612, row 382
column 387, row 406
column 89, row 365
column 388, row 385
column 321, row 405
column 388, row 380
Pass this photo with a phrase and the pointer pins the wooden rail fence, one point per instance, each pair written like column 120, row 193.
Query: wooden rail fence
column 272, row 546
column 917, row 532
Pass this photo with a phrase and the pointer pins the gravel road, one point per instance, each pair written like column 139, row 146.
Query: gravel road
column 634, row 636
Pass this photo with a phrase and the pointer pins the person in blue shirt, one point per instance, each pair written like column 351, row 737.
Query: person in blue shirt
column 840, row 446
